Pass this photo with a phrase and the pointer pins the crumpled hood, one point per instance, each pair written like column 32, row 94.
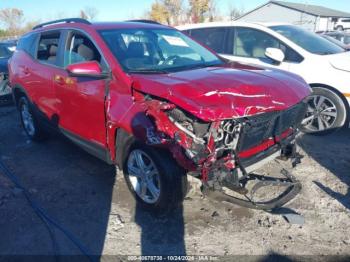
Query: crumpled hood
column 218, row 93
column 340, row 61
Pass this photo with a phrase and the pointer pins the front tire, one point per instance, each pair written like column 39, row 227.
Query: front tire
column 326, row 112
column 154, row 178
column 29, row 121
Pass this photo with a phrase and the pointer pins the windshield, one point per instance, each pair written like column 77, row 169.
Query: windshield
column 309, row 41
column 6, row 50
column 157, row 50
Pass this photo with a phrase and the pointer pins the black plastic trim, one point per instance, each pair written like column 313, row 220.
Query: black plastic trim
column 90, row 147
column 66, row 20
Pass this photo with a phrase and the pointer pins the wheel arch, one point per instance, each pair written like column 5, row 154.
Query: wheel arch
column 17, row 92
column 339, row 94
column 122, row 140
column 122, row 136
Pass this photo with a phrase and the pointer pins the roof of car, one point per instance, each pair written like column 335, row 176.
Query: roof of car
column 126, row 24
column 229, row 23
column 78, row 22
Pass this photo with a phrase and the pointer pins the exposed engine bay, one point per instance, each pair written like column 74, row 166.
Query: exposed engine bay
column 225, row 153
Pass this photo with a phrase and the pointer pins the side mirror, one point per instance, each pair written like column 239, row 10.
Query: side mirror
column 275, row 54
column 86, row 69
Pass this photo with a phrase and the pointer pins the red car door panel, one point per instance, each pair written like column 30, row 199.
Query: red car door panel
column 81, row 106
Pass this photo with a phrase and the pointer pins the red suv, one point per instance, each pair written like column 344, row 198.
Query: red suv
column 158, row 105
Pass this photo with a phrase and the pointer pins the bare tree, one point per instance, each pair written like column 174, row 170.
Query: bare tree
column 234, row 12
column 213, row 12
column 198, row 10
column 175, row 10
column 90, row 12
column 12, row 18
column 83, row 15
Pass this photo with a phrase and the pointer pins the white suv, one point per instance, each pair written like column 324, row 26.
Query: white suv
column 342, row 24
column 324, row 65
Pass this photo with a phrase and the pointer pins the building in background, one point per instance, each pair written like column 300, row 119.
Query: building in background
column 311, row 17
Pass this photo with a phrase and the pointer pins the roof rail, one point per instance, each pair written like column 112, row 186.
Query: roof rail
column 144, row 21
column 66, row 20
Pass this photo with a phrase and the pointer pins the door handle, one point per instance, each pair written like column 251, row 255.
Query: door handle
column 59, row 79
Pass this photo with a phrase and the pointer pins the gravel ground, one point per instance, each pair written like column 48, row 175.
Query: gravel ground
column 91, row 201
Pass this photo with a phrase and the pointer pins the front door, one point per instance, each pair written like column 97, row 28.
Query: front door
column 81, row 99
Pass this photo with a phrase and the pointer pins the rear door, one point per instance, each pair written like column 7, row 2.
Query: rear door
column 81, row 99
column 38, row 73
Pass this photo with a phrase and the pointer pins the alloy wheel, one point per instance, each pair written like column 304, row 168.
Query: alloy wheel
column 321, row 114
column 27, row 119
column 144, row 176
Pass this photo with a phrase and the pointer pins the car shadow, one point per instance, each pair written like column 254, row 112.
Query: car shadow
column 161, row 235
column 331, row 152
column 275, row 257
column 72, row 189
column 75, row 190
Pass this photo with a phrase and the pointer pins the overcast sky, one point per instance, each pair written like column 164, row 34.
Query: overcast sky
column 109, row 10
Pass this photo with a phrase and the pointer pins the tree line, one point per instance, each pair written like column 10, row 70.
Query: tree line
column 176, row 12
column 170, row 12
column 13, row 22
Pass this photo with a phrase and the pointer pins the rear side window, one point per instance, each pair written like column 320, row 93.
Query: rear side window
column 48, row 47
column 214, row 38
column 27, row 44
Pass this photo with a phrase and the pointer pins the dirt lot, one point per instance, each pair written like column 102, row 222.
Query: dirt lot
column 91, row 201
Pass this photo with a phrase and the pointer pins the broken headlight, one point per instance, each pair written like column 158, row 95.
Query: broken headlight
column 192, row 126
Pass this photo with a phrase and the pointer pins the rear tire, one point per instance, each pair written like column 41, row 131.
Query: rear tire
column 29, row 121
column 326, row 113
column 153, row 177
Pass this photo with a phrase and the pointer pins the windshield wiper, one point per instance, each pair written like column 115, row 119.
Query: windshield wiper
column 196, row 66
column 326, row 53
column 148, row 71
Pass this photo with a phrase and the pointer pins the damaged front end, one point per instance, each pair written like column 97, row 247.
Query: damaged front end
column 224, row 154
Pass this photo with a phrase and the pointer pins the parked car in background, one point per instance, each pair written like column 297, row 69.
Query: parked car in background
column 339, row 36
column 324, row 65
column 157, row 104
column 6, row 51
column 335, row 41
column 342, row 24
